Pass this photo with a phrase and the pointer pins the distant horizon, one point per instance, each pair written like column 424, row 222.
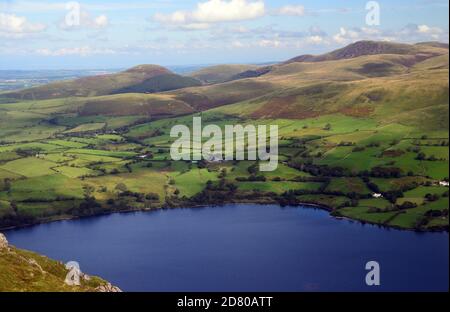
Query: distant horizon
column 125, row 68
column 203, row 65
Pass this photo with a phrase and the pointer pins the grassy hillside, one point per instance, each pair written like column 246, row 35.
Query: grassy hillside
column 160, row 84
column 221, row 73
column 140, row 79
column 25, row 271
column 378, row 86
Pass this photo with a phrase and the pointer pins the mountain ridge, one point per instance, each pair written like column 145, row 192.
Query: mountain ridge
column 289, row 89
column 354, row 50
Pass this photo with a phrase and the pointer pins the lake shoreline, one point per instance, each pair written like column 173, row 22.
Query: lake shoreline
column 206, row 246
column 188, row 205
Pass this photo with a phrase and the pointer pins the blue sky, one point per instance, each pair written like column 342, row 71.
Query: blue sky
column 55, row 34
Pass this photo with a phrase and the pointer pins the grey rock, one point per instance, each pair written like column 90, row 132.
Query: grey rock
column 108, row 288
column 3, row 242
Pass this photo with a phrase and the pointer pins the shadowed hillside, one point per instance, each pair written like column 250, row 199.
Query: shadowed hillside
column 221, row 73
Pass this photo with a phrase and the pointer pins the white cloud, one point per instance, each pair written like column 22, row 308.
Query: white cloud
column 47, row 6
column 178, row 17
column 269, row 43
column 86, row 21
column 77, row 51
column 424, row 32
column 238, row 44
column 291, row 10
column 101, row 21
column 425, row 29
column 33, row 6
column 241, row 30
column 315, row 40
column 345, row 35
column 12, row 26
column 409, row 33
column 195, row 26
column 214, row 11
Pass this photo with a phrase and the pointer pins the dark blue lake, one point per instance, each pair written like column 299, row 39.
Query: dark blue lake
column 242, row 248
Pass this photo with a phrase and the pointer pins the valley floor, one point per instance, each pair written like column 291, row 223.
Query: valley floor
column 382, row 174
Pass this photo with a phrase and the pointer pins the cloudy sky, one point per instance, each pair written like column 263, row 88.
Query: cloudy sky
column 55, row 34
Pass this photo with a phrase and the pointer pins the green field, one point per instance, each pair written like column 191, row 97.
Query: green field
column 46, row 188
column 278, row 187
column 29, row 167
column 193, row 181
column 347, row 185
column 74, row 172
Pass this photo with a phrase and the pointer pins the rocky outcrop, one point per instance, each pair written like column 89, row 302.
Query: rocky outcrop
column 108, row 288
column 3, row 242
column 26, row 271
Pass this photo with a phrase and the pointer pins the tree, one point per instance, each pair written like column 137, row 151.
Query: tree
column 6, row 184
column 88, row 190
column 407, row 205
column 115, row 171
column 121, row 187
column 432, row 197
column 152, row 196
column 421, row 156
column 253, row 169
column 14, row 207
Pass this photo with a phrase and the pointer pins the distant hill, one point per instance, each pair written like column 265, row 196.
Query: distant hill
column 150, row 105
column 357, row 49
column 384, row 81
column 160, row 83
column 433, row 44
column 421, row 51
column 140, row 79
column 221, row 73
